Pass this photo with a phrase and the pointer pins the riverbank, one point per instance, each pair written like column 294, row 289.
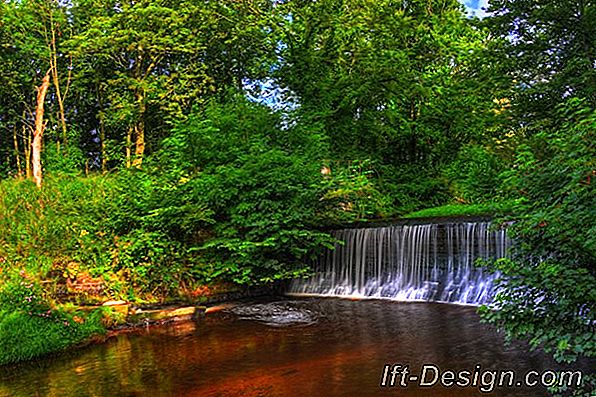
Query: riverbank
column 42, row 328
column 69, row 248
column 69, row 307
column 462, row 210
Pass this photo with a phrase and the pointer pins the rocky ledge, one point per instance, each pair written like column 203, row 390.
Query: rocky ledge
column 125, row 315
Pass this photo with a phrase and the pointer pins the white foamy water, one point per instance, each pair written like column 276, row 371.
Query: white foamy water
column 429, row 262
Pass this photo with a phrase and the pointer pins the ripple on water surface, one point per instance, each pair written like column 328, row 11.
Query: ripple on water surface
column 277, row 314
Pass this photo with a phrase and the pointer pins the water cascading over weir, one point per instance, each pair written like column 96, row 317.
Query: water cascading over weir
column 418, row 262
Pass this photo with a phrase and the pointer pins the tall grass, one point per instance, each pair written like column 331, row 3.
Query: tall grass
column 52, row 221
column 24, row 336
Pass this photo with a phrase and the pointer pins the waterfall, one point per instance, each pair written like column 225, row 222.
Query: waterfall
column 427, row 262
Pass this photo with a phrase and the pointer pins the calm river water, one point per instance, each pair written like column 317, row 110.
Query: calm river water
column 287, row 347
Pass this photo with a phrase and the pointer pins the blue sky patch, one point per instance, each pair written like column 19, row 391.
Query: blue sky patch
column 473, row 4
column 475, row 7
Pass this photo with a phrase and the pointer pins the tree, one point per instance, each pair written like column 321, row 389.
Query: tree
column 32, row 61
column 548, row 296
column 400, row 84
column 547, row 293
column 166, row 56
column 262, row 183
column 40, row 126
column 550, row 53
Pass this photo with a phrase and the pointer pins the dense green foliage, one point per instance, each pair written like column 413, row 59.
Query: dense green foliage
column 161, row 176
column 247, row 212
column 550, row 53
column 547, row 293
column 263, row 191
column 75, row 227
column 403, row 87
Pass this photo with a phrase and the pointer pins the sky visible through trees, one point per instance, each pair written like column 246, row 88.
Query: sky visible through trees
column 476, row 7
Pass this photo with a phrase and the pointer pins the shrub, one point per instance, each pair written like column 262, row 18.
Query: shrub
column 475, row 174
column 263, row 192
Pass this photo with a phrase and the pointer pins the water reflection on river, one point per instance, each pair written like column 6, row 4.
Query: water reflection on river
column 310, row 347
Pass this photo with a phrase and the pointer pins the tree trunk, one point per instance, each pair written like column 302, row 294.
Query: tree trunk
column 102, row 133
column 27, row 148
column 39, row 129
column 140, row 132
column 17, row 153
column 62, row 115
column 56, row 80
column 139, row 144
column 128, row 146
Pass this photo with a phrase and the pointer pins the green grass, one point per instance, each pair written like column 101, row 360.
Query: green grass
column 461, row 210
column 24, row 337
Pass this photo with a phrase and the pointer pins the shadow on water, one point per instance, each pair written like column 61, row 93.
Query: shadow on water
column 284, row 347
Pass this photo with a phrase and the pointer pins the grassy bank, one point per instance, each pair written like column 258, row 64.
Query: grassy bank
column 32, row 325
column 455, row 210
column 26, row 336
column 76, row 242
